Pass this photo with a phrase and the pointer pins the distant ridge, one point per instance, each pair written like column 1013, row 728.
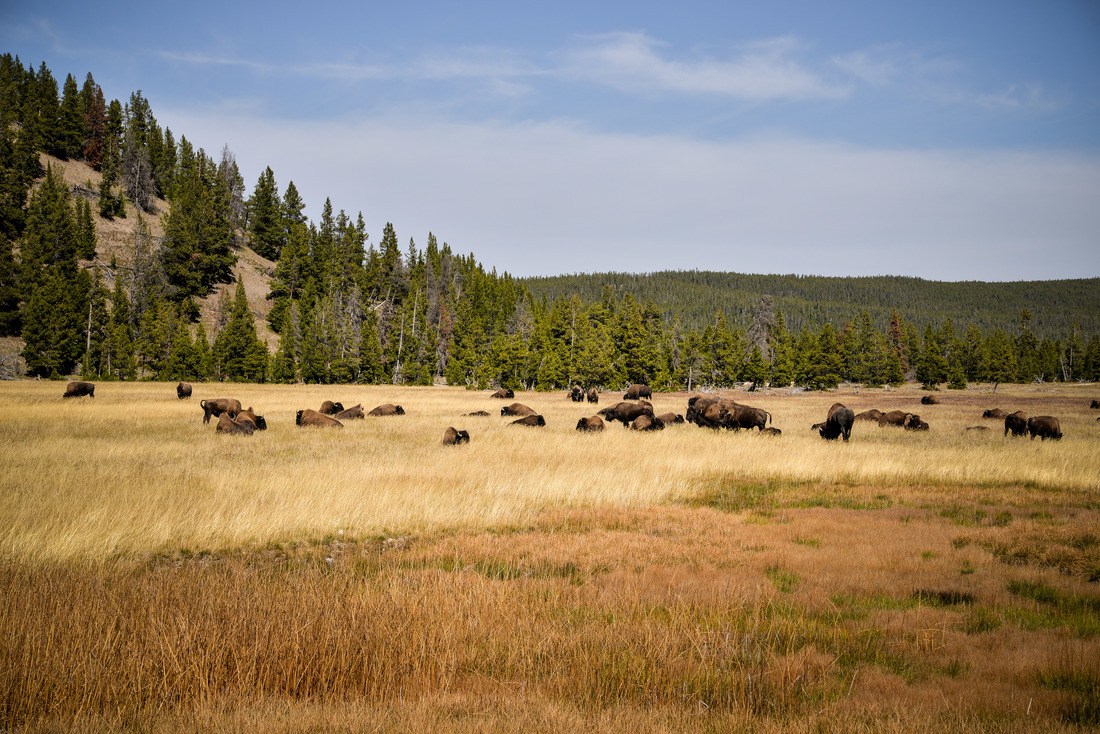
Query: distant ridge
column 695, row 295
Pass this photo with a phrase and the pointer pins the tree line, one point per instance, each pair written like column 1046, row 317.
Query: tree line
column 350, row 310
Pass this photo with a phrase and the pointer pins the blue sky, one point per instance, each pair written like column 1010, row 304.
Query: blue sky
column 953, row 141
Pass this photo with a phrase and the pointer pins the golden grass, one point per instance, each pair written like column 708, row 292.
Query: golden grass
column 157, row 576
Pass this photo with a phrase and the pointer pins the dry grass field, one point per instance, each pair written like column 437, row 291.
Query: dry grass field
column 157, row 576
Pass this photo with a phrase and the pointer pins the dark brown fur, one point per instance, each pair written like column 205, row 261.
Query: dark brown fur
column 517, row 409
column 228, row 425
column 1044, row 426
column 994, row 413
column 771, row 431
column 310, row 418
column 1016, row 423
column 183, row 390
column 636, row 391
column 503, row 394
column 217, row 406
column 352, row 413
column 869, row 415
column 647, row 423
column 837, row 423
column 929, row 400
column 530, row 420
column 78, row 389
column 668, row 418
column 249, row 416
column 330, row 408
column 625, row 412
column 593, row 395
column 590, row 425
column 387, row 409
column 453, row 437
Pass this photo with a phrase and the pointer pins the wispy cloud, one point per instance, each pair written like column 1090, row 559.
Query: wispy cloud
column 767, row 70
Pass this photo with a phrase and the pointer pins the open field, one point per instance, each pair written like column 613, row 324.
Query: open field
column 158, row 576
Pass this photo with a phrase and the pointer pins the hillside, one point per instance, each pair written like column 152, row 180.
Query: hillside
column 115, row 240
column 694, row 296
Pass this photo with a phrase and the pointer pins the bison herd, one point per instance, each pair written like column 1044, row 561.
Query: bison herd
column 634, row 411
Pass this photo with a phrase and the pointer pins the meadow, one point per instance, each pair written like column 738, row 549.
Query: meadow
column 157, row 576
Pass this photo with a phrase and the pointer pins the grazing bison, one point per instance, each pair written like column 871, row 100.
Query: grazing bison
column 1016, row 423
column 249, row 416
column 1044, row 426
column 929, row 400
column 78, row 389
column 837, row 423
column 503, row 394
column 387, row 409
column 530, row 420
column 637, row 391
column 478, row 413
column 874, row 414
column 352, row 413
column 228, row 425
column 453, row 437
column 590, row 425
column 994, row 413
column 217, row 406
column 771, row 431
column 593, row 395
column 183, row 390
column 517, row 409
column 625, row 412
column 577, row 394
column 647, row 423
column 668, row 418
column 330, row 408
column 310, row 418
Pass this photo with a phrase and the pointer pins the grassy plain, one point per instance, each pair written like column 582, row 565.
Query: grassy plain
column 157, row 576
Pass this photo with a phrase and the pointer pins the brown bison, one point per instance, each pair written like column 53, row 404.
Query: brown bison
column 837, row 423
column 929, row 400
column 387, row 409
column 453, row 437
column 771, row 431
column 352, row 413
column 625, row 412
column 647, row 423
column 530, row 420
column 249, row 416
column 744, row 416
column 503, row 394
column 78, row 389
column 593, row 395
column 576, row 394
column 228, row 425
column 1016, row 423
column 874, row 414
column 994, row 413
column 668, row 418
column 896, row 418
column 637, row 391
column 330, row 408
column 217, row 406
column 517, row 409
column 310, row 418
column 699, row 405
column 1044, row 426
column 590, row 425
column 183, row 390
column 478, row 413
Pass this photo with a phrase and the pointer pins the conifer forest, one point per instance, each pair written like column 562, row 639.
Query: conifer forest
column 346, row 306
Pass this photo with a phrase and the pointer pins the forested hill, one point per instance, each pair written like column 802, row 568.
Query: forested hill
column 694, row 296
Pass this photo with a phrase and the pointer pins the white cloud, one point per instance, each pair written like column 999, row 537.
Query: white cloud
column 764, row 70
column 551, row 198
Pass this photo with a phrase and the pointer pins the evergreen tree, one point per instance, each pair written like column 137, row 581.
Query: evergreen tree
column 756, row 369
column 184, row 360
column 239, row 355
column 1027, row 350
column 198, row 233
column 71, row 131
column 1001, row 358
column 54, row 323
column 10, row 322
column 121, row 363
column 284, row 366
column 95, row 122
column 97, row 332
column 85, row 231
column 265, row 217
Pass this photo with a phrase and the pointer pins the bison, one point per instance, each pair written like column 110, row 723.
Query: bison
column 352, row 413
column 625, row 412
column 517, row 409
column 78, row 389
column 503, row 394
column 744, row 416
column 874, row 414
column 994, row 413
column 590, row 425
column 1016, row 423
column 453, row 437
column 387, row 409
column 330, row 408
column 698, row 405
column 217, row 406
column 478, row 413
column 228, row 425
column 668, row 418
column 647, row 423
column 310, row 418
column 637, row 391
column 771, row 431
column 593, row 395
column 1044, row 426
column 837, row 423
column 183, row 390
column 530, row 420
column 896, row 418
column 1095, row 404
column 249, row 416
column 929, row 400
column 576, row 394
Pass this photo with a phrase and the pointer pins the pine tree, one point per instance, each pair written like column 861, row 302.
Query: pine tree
column 85, row 231
column 121, row 363
column 204, row 353
column 1027, row 350
column 54, row 323
column 284, row 366
column 97, row 330
column 71, row 131
column 239, row 355
column 10, row 322
column 265, row 222
column 183, row 361
column 95, row 122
